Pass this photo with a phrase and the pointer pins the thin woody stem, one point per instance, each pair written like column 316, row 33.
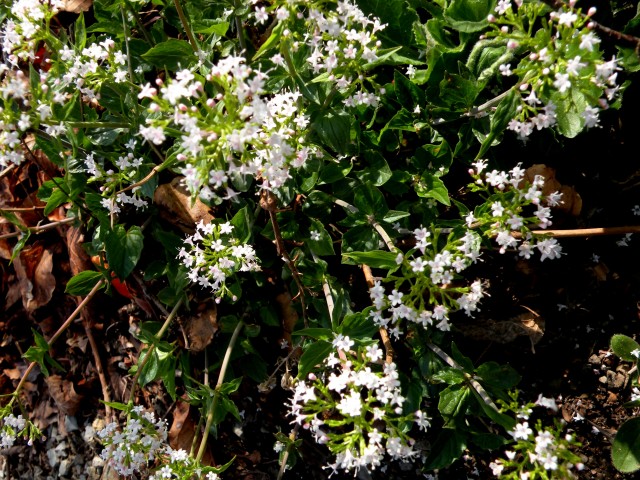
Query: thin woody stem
column 61, row 330
column 39, row 229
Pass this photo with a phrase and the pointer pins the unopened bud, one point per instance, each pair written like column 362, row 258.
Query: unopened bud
column 491, row 19
column 592, row 11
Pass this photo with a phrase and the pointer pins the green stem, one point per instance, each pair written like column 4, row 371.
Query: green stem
column 185, row 25
column 214, row 404
column 136, row 17
column 238, row 21
column 126, row 44
column 152, row 347
column 99, row 125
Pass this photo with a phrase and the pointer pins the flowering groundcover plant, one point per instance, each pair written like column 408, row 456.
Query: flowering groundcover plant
column 320, row 137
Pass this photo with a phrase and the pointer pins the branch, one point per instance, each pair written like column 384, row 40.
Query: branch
column 39, row 229
column 61, row 330
column 386, row 341
column 6, row 171
column 268, row 202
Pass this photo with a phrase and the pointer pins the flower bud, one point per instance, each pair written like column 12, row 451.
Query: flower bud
column 592, row 11
column 491, row 18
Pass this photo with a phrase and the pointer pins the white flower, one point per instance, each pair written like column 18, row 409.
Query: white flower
column 342, row 342
column 314, row 235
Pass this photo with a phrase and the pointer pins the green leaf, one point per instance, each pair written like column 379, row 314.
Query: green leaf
column 115, row 405
column 123, row 249
column 569, row 109
column 151, row 367
column 625, row 451
column 450, row 375
column 622, row 346
column 273, row 40
column 453, row 401
column 324, row 244
column 377, row 172
column 497, row 375
column 313, row 355
column 318, row 333
column 370, row 201
column 358, row 325
column 408, row 94
column 334, row 130
column 242, row 224
column 57, row 198
column 231, row 386
column 447, row 448
column 83, row 282
column 20, row 245
column 431, row 186
column 464, row 361
column 374, row 258
column 211, row 27
column 225, row 406
column 505, row 421
column 488, row 441
column 395, row 215
column 333, row 171
column 39, row 353
column 80, row 33
column 172, row 55
column 458, row 91
column 505, row 111
column 469, row 15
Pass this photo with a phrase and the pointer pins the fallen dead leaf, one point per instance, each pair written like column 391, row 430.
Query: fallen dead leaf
column 504, row 331
column 77, row 6
column 200, row 328
column 177, row 208
column 64, row 394
column 33, row 268
column 183, row 429
column 571, row 202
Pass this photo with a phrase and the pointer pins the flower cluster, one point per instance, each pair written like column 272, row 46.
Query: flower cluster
column 141, row 441
column 338, row 40
column 177, row 464
column 22, row 31
column 13, row 426
column 563, row 69
column 428, row 269
column 229, row 128
column 505, row 210
column 538, row 449
column 213, row 255
column 355, row 407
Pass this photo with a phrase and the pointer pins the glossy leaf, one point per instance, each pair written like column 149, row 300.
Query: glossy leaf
column 83, row 282
column 312, row 356
column 625, row 451
column 623, row 346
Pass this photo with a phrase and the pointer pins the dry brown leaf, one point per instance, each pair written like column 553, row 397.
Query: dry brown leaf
column 183, row 429
column 175, row 201
column 571, row 202
column 33, row 268
column 201, row 328
column 12, row 373
column 64, row 394
column 77, row 6
column 79, row 259
column 505, row 331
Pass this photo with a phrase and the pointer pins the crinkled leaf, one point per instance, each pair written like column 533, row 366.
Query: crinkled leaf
column 469, row 15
